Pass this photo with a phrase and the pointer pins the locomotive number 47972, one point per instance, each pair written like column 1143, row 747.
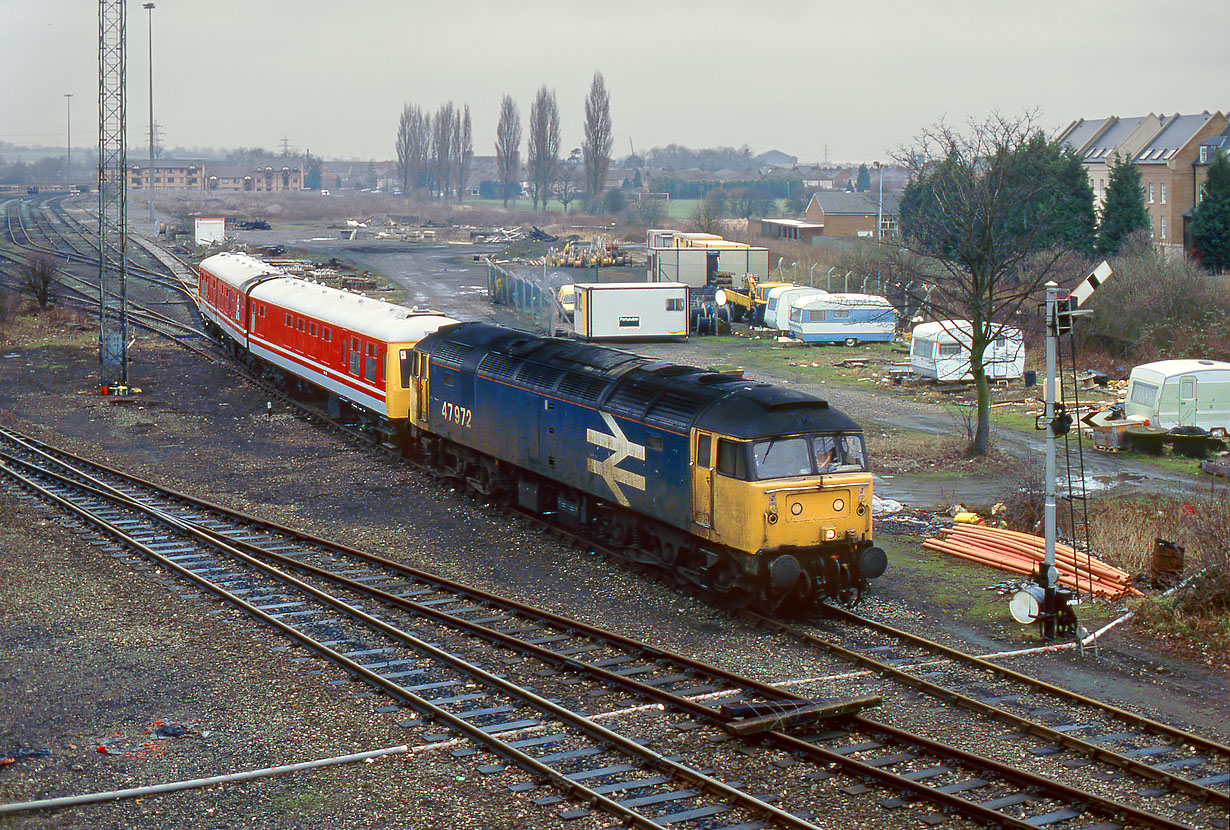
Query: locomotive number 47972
column 456, row 414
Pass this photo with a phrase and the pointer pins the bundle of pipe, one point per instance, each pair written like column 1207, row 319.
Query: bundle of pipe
column 1024, row 553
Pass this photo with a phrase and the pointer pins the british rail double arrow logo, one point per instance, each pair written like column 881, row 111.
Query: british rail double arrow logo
column 621, row 448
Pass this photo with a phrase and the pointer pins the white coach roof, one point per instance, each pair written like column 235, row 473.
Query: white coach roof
column 377, row 319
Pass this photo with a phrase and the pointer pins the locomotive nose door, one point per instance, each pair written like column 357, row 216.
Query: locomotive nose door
column 702, row 479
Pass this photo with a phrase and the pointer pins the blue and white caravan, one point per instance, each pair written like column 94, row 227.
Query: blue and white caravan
column 844, row 318
column 782, row 300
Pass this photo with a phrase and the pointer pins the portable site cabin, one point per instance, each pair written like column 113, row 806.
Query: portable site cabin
column 844, row 318
column 1180, row 393
column 782, row 300
column 940, row 351
column 615, row 310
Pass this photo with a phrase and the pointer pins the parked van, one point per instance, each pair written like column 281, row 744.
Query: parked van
column 844, row 318
column 1180, row 393
column 783, row 300
column 940, row 351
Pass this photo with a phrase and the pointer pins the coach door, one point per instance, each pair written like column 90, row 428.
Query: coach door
column 702, row 478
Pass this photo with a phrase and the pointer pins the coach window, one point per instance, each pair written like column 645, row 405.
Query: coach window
column 370, row 369
column 355, row 356
column 731, row 460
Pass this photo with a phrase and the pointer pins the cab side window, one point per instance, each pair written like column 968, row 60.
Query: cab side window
column 704, row 451
column 730, row 459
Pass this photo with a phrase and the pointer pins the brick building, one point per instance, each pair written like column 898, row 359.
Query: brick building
column 1166, row 151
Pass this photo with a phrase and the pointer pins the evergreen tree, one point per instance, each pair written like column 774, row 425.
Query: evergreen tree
column 1124, row 211
column 864, row 179
column 1211, row 218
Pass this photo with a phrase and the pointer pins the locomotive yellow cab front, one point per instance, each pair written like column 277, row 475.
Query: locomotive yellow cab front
column 796, row 508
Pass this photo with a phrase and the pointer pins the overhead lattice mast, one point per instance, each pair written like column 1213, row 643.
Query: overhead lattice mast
column 112, row 193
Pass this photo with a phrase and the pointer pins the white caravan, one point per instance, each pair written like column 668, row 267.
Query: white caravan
column 940, row 351
column 1180, row 393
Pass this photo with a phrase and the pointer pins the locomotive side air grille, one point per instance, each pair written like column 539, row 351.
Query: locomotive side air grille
column 498, row 365
column 540, row 377
column 452, row 352
column 583, row 387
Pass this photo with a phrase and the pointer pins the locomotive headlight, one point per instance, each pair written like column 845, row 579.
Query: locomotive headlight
column 796, row 508
column 772, row 518
column 839, row 505
column 830, row 534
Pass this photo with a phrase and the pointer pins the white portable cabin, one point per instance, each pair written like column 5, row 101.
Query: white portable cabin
column 785, row 298
column 940, row 351
column 844, row 318
column 1180, row 393
column 617, row 310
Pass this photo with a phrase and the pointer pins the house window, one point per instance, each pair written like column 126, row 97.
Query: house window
column 674, row 304
column 1163, row 193
column 1150, row 192
column 1204, row 154
column 1163, row 227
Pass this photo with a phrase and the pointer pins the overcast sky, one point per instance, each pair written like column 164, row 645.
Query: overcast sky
column 859, row 79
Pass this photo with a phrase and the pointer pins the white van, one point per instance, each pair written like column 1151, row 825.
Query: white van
column 1180, row 393
column 844, row 318
column 940, row 351
column 783, row 300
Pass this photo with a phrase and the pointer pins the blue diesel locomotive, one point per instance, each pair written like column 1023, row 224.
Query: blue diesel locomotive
column 748, row 490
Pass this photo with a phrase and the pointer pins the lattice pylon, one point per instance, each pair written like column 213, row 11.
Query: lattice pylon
column 112, row 193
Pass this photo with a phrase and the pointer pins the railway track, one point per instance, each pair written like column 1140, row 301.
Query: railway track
column 1167, row 773
column 611, row 723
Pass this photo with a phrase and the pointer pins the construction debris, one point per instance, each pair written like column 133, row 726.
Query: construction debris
column 1023, row 553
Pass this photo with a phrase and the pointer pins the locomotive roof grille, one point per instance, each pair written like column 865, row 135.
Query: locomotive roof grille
column 587, row 388
column 450, row 351
column 498, row 365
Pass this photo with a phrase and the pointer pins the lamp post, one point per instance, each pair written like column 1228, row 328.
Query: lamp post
column 879, row 229
column 149, row 8
column 880, row 204
column 68, row 163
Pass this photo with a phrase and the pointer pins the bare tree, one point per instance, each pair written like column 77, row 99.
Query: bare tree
column 542, row 148
column 442, row 148
column 567, row 181
column 465, row 150
column 598, row 139
column 508, row 146
column 413, row 145
column 43, row 270
column 984, row 206
column 707, row 218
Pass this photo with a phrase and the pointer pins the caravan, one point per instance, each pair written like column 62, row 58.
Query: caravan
column 940, row 351
column 1180, row 393
column 844, row 318
column 782, row 300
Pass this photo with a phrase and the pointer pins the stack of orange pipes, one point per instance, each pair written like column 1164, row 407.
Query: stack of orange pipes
column 1023, row 553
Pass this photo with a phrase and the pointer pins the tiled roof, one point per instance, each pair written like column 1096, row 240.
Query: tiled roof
column 1082, row 132
column 843, row 201
column 1177, row 131
column 1104, row 146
